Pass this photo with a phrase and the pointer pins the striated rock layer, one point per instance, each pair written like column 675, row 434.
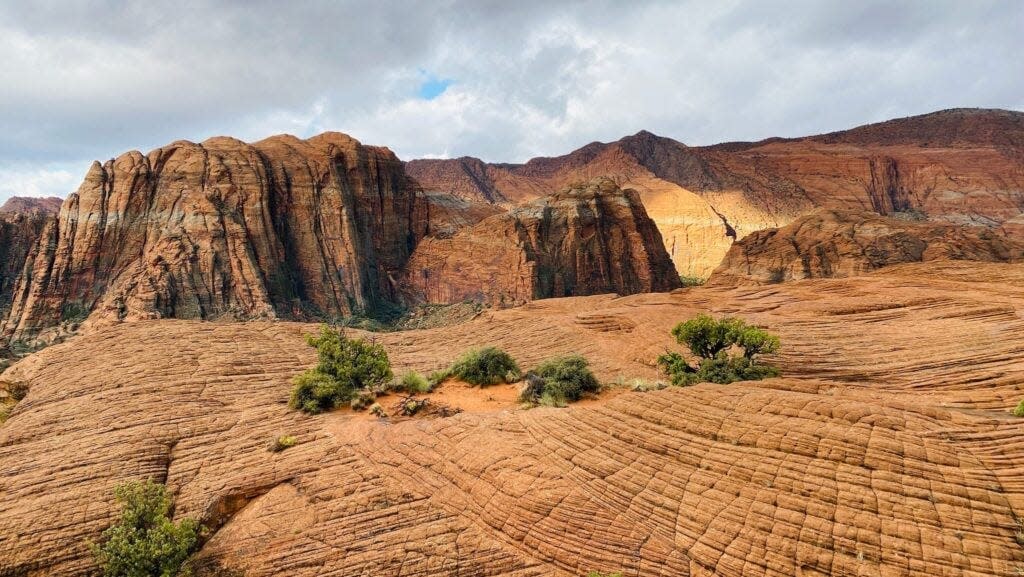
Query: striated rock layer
column 962, row 166
column 588, row 239
column 277, row 228
column 887, row 448
column 828, row 243
column 19, row 236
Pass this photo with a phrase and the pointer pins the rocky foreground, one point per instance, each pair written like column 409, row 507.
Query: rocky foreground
column 887, row 448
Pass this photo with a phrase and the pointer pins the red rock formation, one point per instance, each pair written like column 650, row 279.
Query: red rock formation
column 19, row 236
column 587, row 239
column 960, row 166
column 225, row 228
column 27, row 204
column 828, row 243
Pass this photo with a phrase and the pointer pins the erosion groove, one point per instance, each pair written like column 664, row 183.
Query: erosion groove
column 886, row 449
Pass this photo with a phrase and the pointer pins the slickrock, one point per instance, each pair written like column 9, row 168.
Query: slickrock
column 959, row 166
column 225, row 228
column 587, row 239
column 886, row 449
column 828, row 243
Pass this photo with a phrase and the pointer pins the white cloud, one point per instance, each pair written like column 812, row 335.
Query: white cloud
column 91, row 80
column 39, row 181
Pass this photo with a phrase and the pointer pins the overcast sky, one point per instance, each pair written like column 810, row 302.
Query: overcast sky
column 502, row 80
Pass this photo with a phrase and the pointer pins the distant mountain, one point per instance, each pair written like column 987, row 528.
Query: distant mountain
column 964, row 166
column 26, row 204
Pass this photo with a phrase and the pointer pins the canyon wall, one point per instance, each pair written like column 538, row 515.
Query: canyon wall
column 963, row 166
column 588, row 239
column 224, row 228
column 834, row 244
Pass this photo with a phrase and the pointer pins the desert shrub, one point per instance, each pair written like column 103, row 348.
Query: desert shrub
column 559, row 381
column 714, row 340
column 599, row 574
column 551, row 399
column 410, row 407
column 690, row 281
column 344, row 366
column 486, row 366
column 1019, row 411
column 144, row 542
column 283, row 442
column 378, row 411
column 567, row 377
column 362, row 400
column 413, row 382
column 437, row 377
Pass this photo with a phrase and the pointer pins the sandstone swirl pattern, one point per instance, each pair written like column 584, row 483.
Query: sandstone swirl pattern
column 886, row 450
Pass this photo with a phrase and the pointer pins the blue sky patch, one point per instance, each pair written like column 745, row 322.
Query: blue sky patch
column 433, row 87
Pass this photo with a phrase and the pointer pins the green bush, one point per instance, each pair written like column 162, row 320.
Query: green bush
column 144, row 542
column 413, row 382
column 344, row 367
column 283, row 442
column 599, row 574
column 437, row 377
column 690, row 281
column 1019, row 411
column 486, row 366
column 713, row 340
column 566, row 379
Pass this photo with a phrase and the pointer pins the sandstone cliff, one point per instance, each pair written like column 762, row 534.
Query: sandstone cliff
column 828, row 243
column 19, row 235
column 959, row 166
column 587, row 239
column 282, row 227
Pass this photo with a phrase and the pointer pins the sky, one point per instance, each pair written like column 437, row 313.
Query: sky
column 502, row 81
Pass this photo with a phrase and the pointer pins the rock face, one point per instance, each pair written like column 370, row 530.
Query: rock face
column 958, row 166
column 19, row 235
column 587, row 239
column 29, row 204
column 887, row 448
column 829, row 243
column 225, row 228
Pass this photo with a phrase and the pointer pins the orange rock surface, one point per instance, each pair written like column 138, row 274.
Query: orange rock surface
column 887, row 448
column 225, row 229
column 587, row 239
column 829, row 243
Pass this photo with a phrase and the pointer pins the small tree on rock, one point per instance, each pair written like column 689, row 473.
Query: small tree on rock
column 344, row 367
column 714, row 342
column 144, row 542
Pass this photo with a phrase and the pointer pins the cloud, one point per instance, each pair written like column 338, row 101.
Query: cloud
column 39, row 181
column 93, row 79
